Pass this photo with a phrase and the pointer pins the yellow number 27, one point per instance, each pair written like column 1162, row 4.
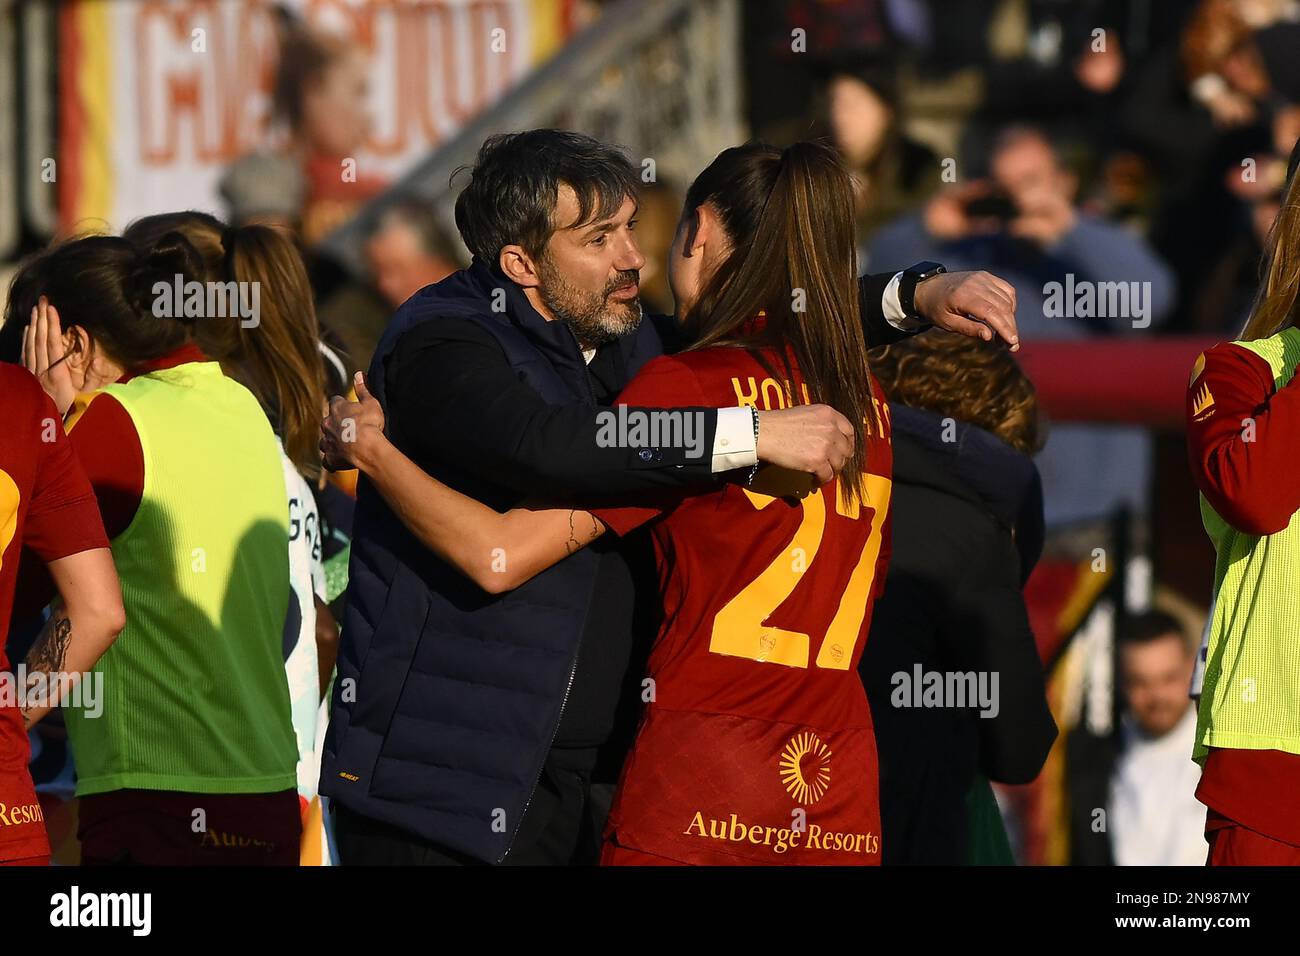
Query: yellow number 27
column 739, row 629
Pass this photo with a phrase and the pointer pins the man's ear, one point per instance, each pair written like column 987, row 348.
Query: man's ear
column 519, row 266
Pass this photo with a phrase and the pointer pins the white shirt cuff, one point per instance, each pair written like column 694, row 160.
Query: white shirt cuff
column 893, row 307
column 734, row 445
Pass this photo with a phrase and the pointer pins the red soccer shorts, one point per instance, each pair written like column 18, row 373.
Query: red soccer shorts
column 1231, row 844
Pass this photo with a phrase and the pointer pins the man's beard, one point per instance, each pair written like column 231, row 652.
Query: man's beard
column 592, row 317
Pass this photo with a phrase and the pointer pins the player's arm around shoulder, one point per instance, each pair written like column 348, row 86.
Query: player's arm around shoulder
column 497, row 551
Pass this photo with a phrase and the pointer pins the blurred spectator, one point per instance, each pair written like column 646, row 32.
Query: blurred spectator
column 1227, row 290
column 1240, row 55
column 319, row 104
column 1058, row 65
column 1022, row 224
column 408, row 250
column 1074, row 275
column 968, row 529
column 891, row 172
column 1145, row 779
column 1199, row 106
column 788, row 41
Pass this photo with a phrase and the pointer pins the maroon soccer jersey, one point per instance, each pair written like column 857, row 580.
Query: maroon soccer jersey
column 756, row 743
column 46, row 505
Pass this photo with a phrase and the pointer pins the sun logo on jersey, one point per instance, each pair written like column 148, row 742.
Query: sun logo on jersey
column 806, row 767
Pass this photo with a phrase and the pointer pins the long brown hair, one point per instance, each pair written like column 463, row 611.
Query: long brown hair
column 1276, row 305
column 789, row 215
column 279, row 358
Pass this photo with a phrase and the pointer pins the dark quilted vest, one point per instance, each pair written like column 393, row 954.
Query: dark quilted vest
column 447, row 699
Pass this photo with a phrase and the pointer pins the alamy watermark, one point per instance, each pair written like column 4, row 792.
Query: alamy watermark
column 947, row 689
column 28, row 690
column 661, row 428
column 1085, row 299
column 208, row 300
column 75, row 908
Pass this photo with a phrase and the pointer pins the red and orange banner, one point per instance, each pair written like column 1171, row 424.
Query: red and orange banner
column 157, row 98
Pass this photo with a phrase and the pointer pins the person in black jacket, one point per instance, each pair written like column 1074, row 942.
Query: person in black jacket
column 968, row 529
column 468, row 727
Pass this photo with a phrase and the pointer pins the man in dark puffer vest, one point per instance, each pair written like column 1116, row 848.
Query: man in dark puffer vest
column 465, row 727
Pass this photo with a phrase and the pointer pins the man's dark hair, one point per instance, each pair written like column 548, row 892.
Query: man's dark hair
column 515, row 183
column 1151, row 626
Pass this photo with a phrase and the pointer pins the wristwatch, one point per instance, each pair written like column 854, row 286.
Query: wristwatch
column 912, row 277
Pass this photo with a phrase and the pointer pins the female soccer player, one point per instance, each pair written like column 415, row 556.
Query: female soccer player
column 281, row 360
column 1243, row 428
column 756, row 745
column 193, row 758
column 46, row 505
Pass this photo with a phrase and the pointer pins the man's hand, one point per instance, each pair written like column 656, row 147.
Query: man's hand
column 972, row 303
column 945, row 214
column 351, row 431
column 811, row 438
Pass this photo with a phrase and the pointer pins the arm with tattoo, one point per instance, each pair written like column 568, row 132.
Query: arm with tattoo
column 80, row 629
column 45, row 678
column 573, row 544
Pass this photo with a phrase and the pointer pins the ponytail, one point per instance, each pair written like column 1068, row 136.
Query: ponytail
column 790, row 217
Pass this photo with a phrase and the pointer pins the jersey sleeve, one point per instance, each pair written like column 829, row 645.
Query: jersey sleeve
column 108, row 446
column 1242, row 433
column 664, row 383
column 64, row 516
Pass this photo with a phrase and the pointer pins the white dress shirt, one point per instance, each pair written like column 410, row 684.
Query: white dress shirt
column 1154, row 817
